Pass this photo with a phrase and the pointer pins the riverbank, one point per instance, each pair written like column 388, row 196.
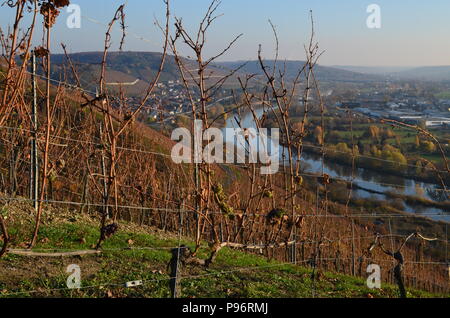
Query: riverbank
column 397, row 169
column 412, row 200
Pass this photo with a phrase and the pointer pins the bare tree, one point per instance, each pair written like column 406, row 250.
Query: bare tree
column 204, row 184
column 112, row 131
column 398, row 256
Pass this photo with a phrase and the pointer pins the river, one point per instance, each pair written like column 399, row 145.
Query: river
column 377, row 182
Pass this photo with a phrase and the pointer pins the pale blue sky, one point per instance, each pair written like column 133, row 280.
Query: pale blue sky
column 413, row 33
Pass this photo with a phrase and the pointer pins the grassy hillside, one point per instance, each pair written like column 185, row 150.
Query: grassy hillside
column 142, row 253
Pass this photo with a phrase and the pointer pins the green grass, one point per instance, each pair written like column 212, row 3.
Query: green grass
column 233, row 274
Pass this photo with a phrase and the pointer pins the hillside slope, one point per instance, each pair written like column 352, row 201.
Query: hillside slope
column 142, row 253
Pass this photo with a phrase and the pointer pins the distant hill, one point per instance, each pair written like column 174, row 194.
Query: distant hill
column 323, row 73
column 424, row 73
column 141, row 65
column 379, row 70
column 127, row 67
column 428, row 73
column 122, row 67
